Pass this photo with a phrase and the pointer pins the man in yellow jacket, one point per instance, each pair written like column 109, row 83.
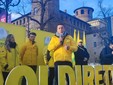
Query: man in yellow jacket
column 29, row 52
column 62, row 44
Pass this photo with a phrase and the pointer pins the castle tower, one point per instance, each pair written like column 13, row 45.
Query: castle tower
column 51, row 11
column 84, row 13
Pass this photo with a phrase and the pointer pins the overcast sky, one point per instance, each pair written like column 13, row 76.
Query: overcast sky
column 71, row 5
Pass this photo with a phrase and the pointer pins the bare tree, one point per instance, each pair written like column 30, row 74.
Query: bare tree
column 41, row 12
column 6, row 4
column 23, row 7
column 104, row 13
column 42, row 7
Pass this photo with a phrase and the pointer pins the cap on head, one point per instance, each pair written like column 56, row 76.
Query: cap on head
column 80, row 41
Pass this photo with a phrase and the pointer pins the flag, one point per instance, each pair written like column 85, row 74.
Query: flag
column 84, row 39
column 73, row 56
column 78, row 37
column 75, row 35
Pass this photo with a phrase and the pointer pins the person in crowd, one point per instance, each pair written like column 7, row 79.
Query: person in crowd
column 12, row 54
column 106, row 55
column 48, row 59
column 106, row 58
column 81, row 55
column 12, row 51
column 62, row 45
column 29, row 52
column 3, row 62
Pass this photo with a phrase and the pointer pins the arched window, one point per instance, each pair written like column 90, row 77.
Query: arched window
column 76, row 12
column 88, row 11
column 82, row 11
column 35, row 11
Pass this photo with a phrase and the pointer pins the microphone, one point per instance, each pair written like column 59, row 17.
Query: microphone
column 61, row 40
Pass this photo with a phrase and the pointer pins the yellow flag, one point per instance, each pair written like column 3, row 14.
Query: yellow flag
column 84, row 39
column 78, row 37
column 75, row 36
column 73, row 56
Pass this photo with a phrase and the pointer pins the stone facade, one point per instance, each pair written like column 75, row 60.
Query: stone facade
column 84, row 13
column 94, row 39
column 52, row 10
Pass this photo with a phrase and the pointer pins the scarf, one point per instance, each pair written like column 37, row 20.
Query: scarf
column 62, row 34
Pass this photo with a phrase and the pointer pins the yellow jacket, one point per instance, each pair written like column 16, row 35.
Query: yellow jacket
column 50, row 63
column 3, row 61
column 29, row 53
column 12, row 58
column 60, row 54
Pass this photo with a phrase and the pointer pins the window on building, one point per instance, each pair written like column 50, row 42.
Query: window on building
column 82, row 11
column 24, row 21
column 94, row 35
column 88, row 11
column 104, row 33
column 17, row 23
column 35, row 11
column 20, row 22
column 81, row 25
column 95, row 44
column 71, row 20
column 76, row 12
column 77, row 24
column 95, row 53
column 74, row 22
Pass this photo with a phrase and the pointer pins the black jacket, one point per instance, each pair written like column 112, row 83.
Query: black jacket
column 106, row 56
column 80, row 54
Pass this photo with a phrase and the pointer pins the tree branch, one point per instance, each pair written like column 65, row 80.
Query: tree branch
column 15, row 4
column 47, row 2
column 48, row 20
column 34, row 20
column 3, row 3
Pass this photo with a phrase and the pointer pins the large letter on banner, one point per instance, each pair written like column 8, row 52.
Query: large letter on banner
column 78, row 74
column 43, row 75
column 16, row 74
column 62, row 70
column 98, row 76
column 88, row 75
